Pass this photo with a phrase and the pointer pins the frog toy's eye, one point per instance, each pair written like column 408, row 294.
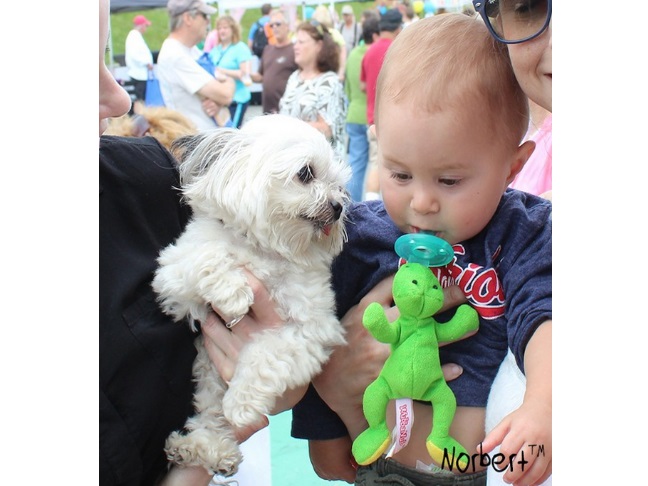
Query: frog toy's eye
column 426, row 249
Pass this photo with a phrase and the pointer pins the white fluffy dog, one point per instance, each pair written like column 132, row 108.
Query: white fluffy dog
column 270, row 198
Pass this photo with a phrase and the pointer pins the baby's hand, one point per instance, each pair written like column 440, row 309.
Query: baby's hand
column 526, row 432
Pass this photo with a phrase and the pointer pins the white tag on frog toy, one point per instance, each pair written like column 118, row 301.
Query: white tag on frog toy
column 403, row 428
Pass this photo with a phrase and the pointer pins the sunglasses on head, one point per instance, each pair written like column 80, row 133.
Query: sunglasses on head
column 321, row 28
column 514, row 21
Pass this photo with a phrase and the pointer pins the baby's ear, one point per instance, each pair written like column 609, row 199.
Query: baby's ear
column 522, row 154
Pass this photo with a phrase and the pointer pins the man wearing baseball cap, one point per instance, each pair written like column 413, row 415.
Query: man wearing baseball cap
column 178, row 7
column 138, row 56
column 186, row 87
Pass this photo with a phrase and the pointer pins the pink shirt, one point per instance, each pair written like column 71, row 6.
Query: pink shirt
column 211, row 41
column 535, row 177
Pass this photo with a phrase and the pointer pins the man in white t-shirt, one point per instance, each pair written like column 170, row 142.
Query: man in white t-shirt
column 349, row 28
column 138, row 56
column 185, row 85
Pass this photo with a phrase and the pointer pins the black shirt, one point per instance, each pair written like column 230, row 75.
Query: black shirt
column 145, row 359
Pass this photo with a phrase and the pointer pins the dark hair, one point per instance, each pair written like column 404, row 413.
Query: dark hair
column 328, row 58
column 265, row 8
column 369, row 28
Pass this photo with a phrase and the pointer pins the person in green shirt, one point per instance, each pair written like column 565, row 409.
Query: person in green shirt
column 356, row 120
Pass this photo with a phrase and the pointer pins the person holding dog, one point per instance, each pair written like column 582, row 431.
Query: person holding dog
column 145, row 358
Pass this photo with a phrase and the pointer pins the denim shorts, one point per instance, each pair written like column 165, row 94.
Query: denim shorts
column 387, row 472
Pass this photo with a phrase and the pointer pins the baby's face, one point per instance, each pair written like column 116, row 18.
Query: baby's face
column 441, row 172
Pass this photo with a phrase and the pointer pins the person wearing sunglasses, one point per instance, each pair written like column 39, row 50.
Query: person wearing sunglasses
column 277, row 63
column 525, row 28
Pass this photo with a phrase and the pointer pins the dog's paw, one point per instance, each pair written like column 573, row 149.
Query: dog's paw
column 219, row 457
column 236, row 303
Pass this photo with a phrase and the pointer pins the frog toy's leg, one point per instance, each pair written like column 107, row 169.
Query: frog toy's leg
column 444, row 405
column 371, row 443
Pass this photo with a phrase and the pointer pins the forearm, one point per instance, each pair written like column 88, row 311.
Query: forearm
column 220, row 92
column 187, row 476
column 537, row 365
column 232, row 73
column 240, row 73
column 288, row 399
column 322, row 126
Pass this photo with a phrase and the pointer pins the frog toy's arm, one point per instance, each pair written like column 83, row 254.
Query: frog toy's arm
column 375, row 320
column 464, row 321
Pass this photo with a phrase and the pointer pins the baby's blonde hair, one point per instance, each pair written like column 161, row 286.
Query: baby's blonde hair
column 451, row 61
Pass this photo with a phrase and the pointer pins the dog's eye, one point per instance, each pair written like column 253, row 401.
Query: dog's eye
column 305, row 174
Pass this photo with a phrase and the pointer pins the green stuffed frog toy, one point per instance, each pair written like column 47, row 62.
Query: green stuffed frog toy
column 413, row 370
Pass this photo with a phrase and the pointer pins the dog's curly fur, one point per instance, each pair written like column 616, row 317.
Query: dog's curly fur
column 270, row 198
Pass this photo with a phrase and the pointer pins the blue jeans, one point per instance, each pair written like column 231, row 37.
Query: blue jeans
column 358, row 158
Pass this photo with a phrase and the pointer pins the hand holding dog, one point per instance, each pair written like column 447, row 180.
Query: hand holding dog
column 224, row 345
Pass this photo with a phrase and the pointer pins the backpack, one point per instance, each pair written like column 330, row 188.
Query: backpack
column 259, row 41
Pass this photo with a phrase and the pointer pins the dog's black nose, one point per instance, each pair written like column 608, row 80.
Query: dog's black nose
column 337, row 209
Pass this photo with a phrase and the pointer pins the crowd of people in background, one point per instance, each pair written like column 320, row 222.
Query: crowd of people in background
column 343, row 113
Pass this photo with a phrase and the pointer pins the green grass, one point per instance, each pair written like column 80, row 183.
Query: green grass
column 121, row 24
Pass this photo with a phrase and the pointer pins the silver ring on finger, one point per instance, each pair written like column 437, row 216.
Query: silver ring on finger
column 234, row 322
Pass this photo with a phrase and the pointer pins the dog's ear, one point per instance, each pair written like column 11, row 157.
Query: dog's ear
column 196, row 153
column 183, row 146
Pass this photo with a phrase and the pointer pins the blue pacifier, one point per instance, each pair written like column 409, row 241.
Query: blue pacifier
column 423, row 248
